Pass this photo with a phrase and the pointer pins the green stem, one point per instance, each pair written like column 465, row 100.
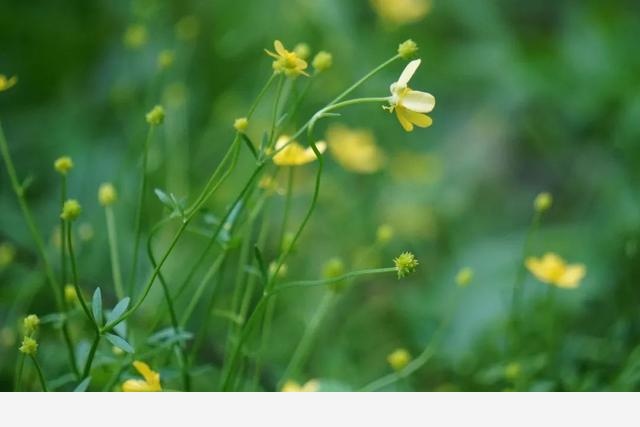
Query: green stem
column 253, row 107
column 91, row 355
column 43, row 383
column 287, row 206
column 520, row 276
column 63, row 248
column 138, row 220
column 364, row 79
column 113, row 250
column 18, row 382
column 324, row 282
column 274, row 115
column 74, row 276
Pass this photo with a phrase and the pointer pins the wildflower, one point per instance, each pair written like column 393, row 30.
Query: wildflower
column 292, row 386
column 410, row 104
column 29, row 346
column 406, row 263
column 302, row 50
column 241, row 124
column 187, row 28
column 70, row 210
column 63, row 164
column 399, row 12
column 107, row 194
column 165, row 59
column 135, row 36
column 384, row 233
column 287, row 62
column 151, row 381
column 322, row 61
column 543, row 202
column 7, row 254
column 30, row 324
column 333, row 268
column 293, row 154
column 155, row 117
column 407, row 49
column 7, row 83
column 399, row 358
column 355, row 149
column 555, row 271
column 512, row 371
column 70, row 294
column 464, row 277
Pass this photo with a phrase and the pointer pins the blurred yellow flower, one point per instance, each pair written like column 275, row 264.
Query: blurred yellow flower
column 543, row 202
column 107, row 194
column 7, row 82
column 554, row 270
column 155, row 116
column 409, row 104
column 151, row 381
column 464, row 276
column 355, row 149
column 322, row 61
column 292, row 386
column 30, row 324
column 70, row 294
column 166, row 59
column 293, row 154
column 29, row 346
column 187, row 28
column 302, row 50
column 398, row 359
column 406, row 263
column 7, row 254
column 384, row 233
column 399, row 12
column 135, row 36
column 241, row 124
column 287, row 62
column 71, row 210
column 63, row 164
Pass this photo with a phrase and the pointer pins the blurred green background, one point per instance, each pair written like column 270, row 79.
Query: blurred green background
column 531, row 97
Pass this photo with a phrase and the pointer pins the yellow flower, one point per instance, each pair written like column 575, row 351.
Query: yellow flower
column 287, row 62
column 135, row 36
column 155, row 117
column 241, row 124
column 292, row 386
column 464, row 277
column 293, row 154
column 355, row 149
column 407, row 49
column 7, row 83
column 7, row 254
column 406, row 263
column 399, row 358
column 29, row 346
column 151, row 381
column 70, row 210
column 63, row 164
column 554, row 270
column 409, row 104
column 543, row 202
column 165, row 59
column 400, row 12
column 107, row 194
column 30, row 324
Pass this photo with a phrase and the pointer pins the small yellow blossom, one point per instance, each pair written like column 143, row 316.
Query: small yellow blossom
column 384, row 233
column 151, row 381
column 292, row 386
column 302, row 50
column 29, row 346
column 70, row 210
column 135, row 36
column 322, row 61
column 155, row 117
column 543, row 202
column 398, row 359
column 464, row 276
column 355, row 149
column 400, row 12
column 409, row 104
column 406, row 263
column 107, row 194
column 166, row 59
column 555, row 271
column 512, row 371
column 7, row 82
column 407, row 49
column 293, row 154
column 287, row 62
column 7, row 254
column 70, row 294
column 187, row 28
column 241, row 124
column 30, row 324
column 63, row 164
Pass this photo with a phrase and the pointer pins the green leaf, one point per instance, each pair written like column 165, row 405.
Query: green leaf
column 84, row 384
column 119, row 342
column 96, row 305
column 120, row 308
column 261, row 264
column 164, row 198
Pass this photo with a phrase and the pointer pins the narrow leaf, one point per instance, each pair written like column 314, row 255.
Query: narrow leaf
column 120, row 308
column 96, row 305
column 119, row 342
column 83, row 385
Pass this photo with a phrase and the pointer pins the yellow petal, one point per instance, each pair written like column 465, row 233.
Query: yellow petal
column 418, row 119
column 421, row 102
column 273, row 55
column 279, row 48
column 291, row 386
column 408, row 72
column 151, row 377
column 136, row 386
column 401, row 114
column 572, row 276
column 535, row 267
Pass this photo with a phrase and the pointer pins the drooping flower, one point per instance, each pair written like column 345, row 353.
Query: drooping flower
column 309, row 386
column 287, row 62
column 399, row 358
column 410, row 105
column 151, row 381
column 293, row 154
column 7, row 82
column 355, row 149
column 554, row 270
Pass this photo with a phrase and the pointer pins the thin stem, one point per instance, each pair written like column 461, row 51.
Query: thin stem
column 324, row 282
column 287, row 206
column 138, row 220
column 63, row 248
column 113, row 250
column 91, row 355
column 363, row 79
column 253, row 107
column 274, row 114
column 74, row 276
column 18, row 382
column 43, row 382
column 520, row 276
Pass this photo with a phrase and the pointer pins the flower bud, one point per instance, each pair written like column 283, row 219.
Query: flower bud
column 322, row 61
column 30, row 324
column 107, row 194
column 406, row 264
column 241, row 124
column 399, row 358
column 543, row 202
column 29, row 346
column 63, row 164
column 70, row 210
column 464, row 277
column 70, row 294
column 407, row 49
column 302, row 50
column 155, row 117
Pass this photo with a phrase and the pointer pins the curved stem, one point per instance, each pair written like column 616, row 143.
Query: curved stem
column 324, row 282
column 364, row 79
